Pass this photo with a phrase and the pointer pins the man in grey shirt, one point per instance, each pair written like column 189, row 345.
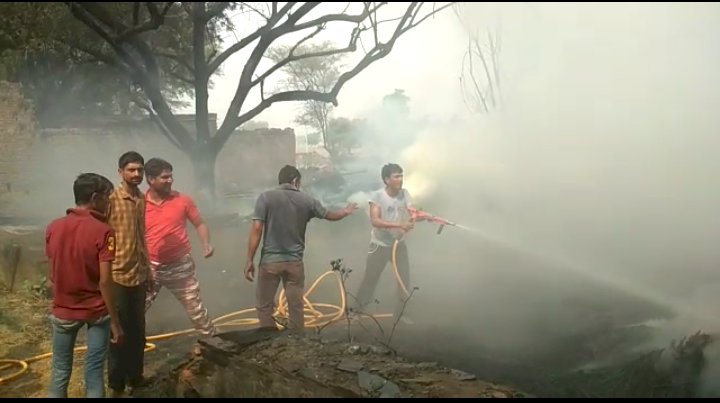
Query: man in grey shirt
column 390, row 221
column 283, row 213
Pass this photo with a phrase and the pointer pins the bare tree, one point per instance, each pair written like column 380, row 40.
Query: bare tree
column 480, row 75
column 318, row 73
column 127, row 50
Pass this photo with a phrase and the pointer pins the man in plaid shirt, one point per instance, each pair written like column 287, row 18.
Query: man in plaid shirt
column 130, row 269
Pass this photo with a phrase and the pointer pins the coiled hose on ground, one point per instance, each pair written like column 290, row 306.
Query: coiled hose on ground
column 314, row 317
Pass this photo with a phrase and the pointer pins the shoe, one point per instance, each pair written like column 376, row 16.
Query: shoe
column 138, row 384
column 117, row 393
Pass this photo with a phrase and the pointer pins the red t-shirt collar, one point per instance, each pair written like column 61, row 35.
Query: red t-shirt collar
column 87, row 212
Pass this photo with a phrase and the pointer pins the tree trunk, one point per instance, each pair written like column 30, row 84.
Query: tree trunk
column 203, row 162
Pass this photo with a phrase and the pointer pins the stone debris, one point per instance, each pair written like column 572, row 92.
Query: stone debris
column 275, row 365
column 349, row 365
column 463, row 376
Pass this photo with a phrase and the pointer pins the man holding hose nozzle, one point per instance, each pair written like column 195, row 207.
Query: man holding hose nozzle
column 390, row 221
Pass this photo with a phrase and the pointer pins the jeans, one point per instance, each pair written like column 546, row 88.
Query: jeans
column 64, row 336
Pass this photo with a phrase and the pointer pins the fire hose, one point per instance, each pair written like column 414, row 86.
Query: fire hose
column 314, row 317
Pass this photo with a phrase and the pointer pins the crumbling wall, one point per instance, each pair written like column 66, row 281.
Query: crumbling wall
column 37, row 166
column 251, row 160
column 21, row 253
column 17, row 132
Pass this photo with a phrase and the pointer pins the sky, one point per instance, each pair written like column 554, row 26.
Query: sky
column 425, row 63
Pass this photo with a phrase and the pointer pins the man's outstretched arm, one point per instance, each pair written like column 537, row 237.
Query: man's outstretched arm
column 337, row 215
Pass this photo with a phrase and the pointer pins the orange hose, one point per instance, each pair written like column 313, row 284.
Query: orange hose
column 313, row 318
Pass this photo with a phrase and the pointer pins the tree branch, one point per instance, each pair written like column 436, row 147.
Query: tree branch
column 143, row 104
column 181, row 77
column 89, row 20
column 292, row 57
column 339, row 18
column 432, row 14
column 148, row 78
column 157, row 19
column 111, row 60
column 255, row 10
column 220, row 59
column 381, row 50
column 244, row 84
column 479, row 92
column 176, row 58
column 300, row 95
column 374, row 24
column 201, row 74
column 215, row 10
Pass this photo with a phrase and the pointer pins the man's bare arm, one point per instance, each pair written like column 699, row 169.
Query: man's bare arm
column 204, row 234
column 106, row 290
column 377, row 221
column 256, row 232
column 337, row 215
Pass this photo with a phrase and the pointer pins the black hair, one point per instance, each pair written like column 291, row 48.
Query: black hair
column 287, row 174
column 389, row 169
column 88, row 184
column 155, row 167
column 130, row 157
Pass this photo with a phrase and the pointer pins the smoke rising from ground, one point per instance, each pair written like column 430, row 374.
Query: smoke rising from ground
column 602, row 158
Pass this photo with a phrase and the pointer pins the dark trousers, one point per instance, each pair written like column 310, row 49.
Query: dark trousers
column 125, row 364
column 379, row 257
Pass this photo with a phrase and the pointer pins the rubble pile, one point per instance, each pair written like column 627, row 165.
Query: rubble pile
column 256, row 363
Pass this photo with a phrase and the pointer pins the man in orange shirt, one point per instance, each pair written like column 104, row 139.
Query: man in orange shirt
column 171, row 264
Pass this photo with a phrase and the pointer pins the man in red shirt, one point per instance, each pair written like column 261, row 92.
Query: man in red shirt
column 171, row 264
column 80, row 248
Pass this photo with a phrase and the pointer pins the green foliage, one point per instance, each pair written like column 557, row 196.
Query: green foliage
column 42, row 289
column 63, row 65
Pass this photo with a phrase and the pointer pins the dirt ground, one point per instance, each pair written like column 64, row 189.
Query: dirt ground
column 492, row 312
column 25, row 333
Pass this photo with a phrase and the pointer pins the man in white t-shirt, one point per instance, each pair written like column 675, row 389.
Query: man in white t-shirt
column 390, row 220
